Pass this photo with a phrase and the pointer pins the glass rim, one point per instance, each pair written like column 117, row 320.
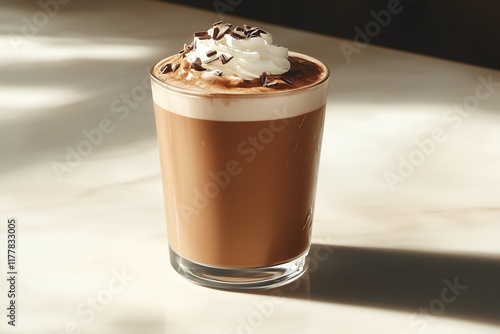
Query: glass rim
column 199, row 93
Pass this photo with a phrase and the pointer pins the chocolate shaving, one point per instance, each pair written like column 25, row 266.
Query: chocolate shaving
column 251, row 30
column 286, row 80
column 211, row 53
column 224, row 59
column 187, row 49
column 224, row 31
column 215, row 33
column 238, row 28
column 247, row 27
column 254, row 34
column 267, row 80
column 175, row 67
column 217, row 23
column 200, row 33
column 196, row 65
column 166, row 68
column 263, row 78
column 236, row 35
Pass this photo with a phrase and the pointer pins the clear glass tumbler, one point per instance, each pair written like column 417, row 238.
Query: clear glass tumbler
column 239, row 178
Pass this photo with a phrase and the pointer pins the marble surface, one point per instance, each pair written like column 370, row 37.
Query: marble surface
column 407, row 224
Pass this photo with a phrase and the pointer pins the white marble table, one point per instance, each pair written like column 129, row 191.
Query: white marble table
column 406, row 235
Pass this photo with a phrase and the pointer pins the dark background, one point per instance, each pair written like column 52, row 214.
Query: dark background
column 461, row 30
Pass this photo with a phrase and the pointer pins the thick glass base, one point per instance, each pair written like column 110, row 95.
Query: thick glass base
column 239, row 279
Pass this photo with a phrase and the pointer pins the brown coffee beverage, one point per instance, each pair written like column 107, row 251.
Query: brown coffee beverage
column 239, row 155
column 239, row 194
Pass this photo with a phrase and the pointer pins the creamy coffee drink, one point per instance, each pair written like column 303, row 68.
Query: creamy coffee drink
column 239, row 124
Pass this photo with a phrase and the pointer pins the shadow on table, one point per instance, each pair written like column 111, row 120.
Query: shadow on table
column 424, row 284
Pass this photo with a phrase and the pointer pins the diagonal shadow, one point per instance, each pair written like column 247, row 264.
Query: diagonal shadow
column 428, row 284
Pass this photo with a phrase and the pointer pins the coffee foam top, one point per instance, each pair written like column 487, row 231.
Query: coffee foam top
column 238, row 75
column 240, row 107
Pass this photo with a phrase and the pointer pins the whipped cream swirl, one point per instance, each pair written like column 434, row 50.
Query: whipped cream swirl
column 245, row 52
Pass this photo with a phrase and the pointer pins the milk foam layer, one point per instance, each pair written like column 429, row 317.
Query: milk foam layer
column 241, row 108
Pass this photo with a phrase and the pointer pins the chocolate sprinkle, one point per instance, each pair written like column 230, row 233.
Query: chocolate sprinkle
column 169, row 67
column 215, row 33
column 187, row 49
column 236, row 35
column 251, row 30
column 254, row 34
column 224, row 31
column 286, row 80
column 202, row 35
column 224, row 59
column 267, row 80
column 196, row 65
column 211, row 53
column 166, row 68
column 263, row 78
